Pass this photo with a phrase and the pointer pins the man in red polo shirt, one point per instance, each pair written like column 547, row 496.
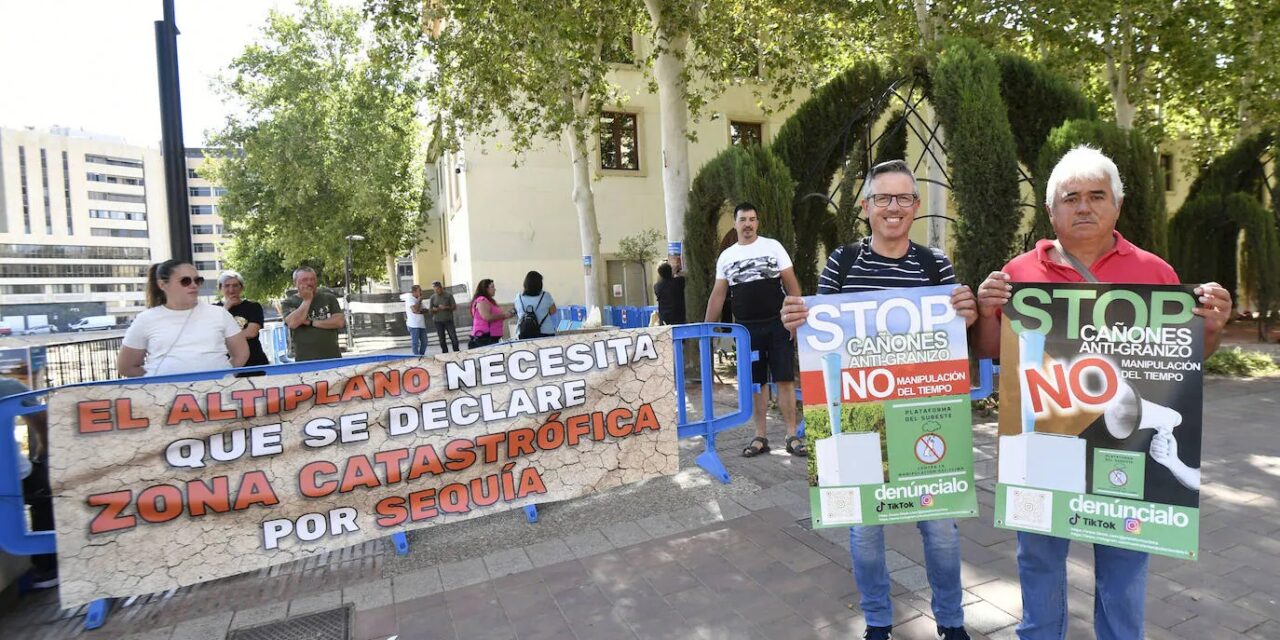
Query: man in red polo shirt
column 1083, row 198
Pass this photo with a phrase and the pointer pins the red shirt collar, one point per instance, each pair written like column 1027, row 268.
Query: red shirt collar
column 1122, row 247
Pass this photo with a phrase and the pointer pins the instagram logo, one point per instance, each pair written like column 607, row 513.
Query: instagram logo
column 1132, row 525
column 926, row 500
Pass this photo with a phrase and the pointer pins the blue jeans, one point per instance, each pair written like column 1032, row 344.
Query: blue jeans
column 418, row 340
column 941, row 561
column 1120, row 589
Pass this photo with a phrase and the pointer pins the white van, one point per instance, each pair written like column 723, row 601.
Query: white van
column 93, row 323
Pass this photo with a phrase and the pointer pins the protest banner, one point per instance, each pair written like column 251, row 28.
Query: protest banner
column 1101, row 392
column 905, row 351
column 164, row 485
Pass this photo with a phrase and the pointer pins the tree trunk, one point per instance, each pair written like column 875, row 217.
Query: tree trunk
column 1119, row 64
column 936, row 169
column 584, row 201
column 674, row 109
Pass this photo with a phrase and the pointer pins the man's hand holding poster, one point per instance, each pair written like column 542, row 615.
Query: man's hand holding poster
column 885, row 382
column 161, row 485
column 1100, row 414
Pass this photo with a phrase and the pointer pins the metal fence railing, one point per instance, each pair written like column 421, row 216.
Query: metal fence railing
column 84, row 361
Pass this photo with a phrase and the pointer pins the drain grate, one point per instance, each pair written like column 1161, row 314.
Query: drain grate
column 334, row 624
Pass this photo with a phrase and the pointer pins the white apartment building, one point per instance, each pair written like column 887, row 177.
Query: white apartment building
column 206, row 221
column 81, row 217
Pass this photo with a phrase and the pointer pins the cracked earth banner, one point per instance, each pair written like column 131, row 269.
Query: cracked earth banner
column 162, row 485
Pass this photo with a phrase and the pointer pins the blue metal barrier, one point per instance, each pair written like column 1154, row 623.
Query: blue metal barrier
column 15, row 539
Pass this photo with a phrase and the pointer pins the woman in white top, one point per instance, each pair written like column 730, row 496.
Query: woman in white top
column 178, row 333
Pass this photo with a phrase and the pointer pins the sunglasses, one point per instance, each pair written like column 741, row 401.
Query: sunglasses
column 187, row 281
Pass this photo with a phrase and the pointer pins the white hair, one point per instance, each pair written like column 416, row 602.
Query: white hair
column 303, row 270
column 229, row 275
column 1083, row 163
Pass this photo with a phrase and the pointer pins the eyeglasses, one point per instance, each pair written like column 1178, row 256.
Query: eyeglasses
column 187, row 281
column 904, row 199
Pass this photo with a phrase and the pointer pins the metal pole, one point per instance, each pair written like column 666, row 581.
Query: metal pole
column 173, row 147
column 350, row 317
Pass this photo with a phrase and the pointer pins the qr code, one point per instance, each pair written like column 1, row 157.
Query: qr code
column 1029, row 509
column 841, row 505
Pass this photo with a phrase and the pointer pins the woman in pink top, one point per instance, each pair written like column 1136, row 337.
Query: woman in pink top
column 486, row 316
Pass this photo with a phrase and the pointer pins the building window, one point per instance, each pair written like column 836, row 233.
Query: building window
column 199, row 192
column 118, row 233
column 192, row 175
column 117, row 287
column 65, row 252
column 111, row 179
column 1166, row 165
column 619, row 142
column 219, row 192
column 66, row 192
column 206, row 265
column 66, row 288
column 620, row 51
column 72, row 271
column 112, row 161
column 44, row 181
column 746, row 134
column 117, row 197
column 203, row 209
column 203, row 247
column 108, row 214
column 21, row 289
column 202, row 229
column 26, row 199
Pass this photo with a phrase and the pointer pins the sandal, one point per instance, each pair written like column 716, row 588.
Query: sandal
column 751, row 451
column 797, row 446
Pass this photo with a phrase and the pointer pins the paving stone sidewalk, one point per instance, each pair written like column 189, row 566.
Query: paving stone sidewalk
column 689, row 558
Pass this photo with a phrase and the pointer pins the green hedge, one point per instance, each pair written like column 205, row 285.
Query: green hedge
column 816, row 142
column 984, row 160
column 1037, row 101
column 1142, row 217
column 1212, row 224
column 754, row 174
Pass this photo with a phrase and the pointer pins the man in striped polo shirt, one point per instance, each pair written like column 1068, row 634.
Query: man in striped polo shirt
column 890, row 260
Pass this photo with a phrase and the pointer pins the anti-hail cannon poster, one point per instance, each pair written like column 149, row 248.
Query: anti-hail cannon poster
column 1101, row 392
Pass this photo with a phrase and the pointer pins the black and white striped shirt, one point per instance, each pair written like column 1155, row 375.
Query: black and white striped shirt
column 874, row 272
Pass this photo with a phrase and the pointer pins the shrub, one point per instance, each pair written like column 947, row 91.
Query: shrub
column 1241, row 364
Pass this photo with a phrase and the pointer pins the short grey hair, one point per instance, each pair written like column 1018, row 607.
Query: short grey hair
column 230, row 275
column 304, row 270
column 1083, row 163
column 891, row 166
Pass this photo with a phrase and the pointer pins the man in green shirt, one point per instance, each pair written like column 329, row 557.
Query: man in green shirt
column 442, row 308
column 314, row 318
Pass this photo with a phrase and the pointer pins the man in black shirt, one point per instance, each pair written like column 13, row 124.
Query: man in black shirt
column 753, row 273
column 669, row 290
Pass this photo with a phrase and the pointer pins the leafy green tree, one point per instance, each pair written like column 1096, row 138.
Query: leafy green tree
column 526, row 74
column 324, row 144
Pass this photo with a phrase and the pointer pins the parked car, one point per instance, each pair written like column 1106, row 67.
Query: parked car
column 94, row 323
column 5, row 331
column 44, row 328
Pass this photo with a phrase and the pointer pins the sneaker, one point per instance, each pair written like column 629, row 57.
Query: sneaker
column 952, row 633
column 878, row 633
column 44, row 579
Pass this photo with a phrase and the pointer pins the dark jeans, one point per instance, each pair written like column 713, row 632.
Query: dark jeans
column 441, row 328
column 36, row 493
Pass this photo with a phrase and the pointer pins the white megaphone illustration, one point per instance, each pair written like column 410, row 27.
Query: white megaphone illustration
column 1128, row 412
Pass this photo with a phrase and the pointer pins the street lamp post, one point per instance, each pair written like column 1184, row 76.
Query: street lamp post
column 346, row 282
